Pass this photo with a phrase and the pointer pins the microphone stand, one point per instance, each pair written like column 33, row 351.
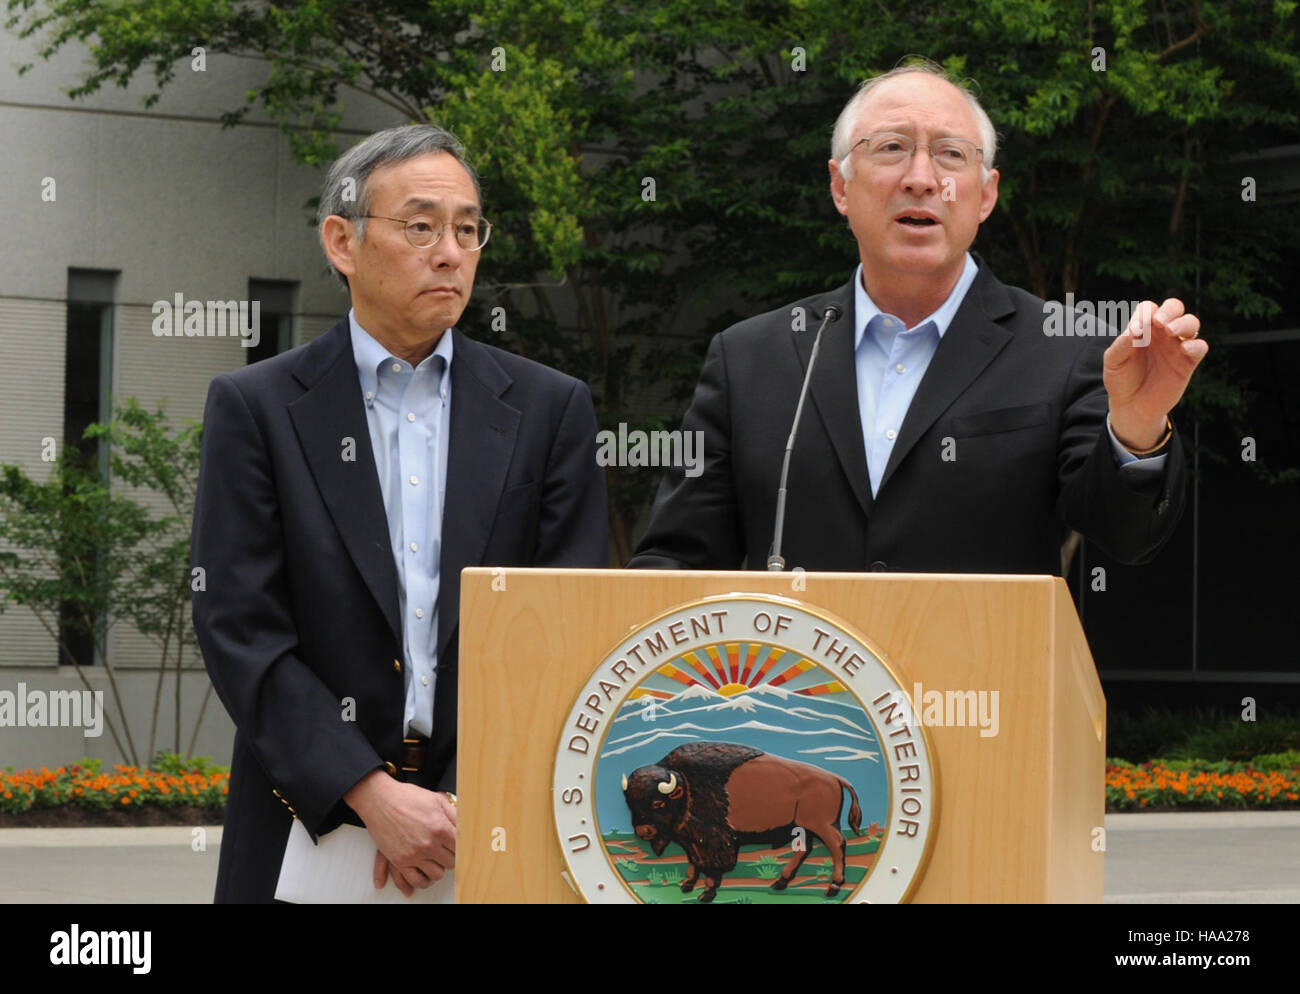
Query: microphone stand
column 775, row 561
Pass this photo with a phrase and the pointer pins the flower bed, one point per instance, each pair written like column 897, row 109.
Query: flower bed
column 82, row 791
column 1263, row 782
column 81, row 794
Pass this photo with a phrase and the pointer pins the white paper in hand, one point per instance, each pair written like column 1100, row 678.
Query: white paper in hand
column 340, row 870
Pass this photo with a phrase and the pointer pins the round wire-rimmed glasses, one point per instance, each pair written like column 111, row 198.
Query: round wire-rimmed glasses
column 423, row 231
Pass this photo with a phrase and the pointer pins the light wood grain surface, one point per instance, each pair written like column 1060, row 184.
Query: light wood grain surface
column 1016, row 812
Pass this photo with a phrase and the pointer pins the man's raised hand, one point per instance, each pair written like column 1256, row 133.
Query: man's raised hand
column 1147, row 368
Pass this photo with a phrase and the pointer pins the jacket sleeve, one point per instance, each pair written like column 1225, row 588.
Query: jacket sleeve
column 573, row 530
column 291, row 721
column 1129, row 520
column 695, row 522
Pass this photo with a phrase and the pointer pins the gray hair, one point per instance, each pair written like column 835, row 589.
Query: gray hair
column 842, row 136
column 351, row 170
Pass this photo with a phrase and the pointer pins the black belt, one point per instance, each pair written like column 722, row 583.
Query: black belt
column 415, row 752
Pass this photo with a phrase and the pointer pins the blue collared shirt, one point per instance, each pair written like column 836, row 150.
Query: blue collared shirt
column 408, row 411
column 891, row 360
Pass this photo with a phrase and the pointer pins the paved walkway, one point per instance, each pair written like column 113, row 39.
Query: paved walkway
column 1243, row 857
column 1214, row 858
column 108, row 865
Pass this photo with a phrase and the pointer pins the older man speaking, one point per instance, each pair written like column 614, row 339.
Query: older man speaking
column 343, row 487
column 947, row 427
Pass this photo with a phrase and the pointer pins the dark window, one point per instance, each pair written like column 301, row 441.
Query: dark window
column 275, row 300
column 1249, row 535
column 87, row 379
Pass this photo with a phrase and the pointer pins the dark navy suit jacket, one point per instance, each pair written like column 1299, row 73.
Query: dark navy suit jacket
column 1003, row 449
column 299, row 624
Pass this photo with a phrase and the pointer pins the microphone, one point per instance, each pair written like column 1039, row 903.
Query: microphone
column 775, row 561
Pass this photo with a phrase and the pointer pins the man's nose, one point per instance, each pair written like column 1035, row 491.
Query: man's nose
column 920, row 176
column 446, row 253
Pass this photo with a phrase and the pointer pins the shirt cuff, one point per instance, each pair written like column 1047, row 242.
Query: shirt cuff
column 1131, row 465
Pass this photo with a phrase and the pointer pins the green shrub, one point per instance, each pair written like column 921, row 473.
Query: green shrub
column 1199, row 733
column 175, row 763
column 1276, row 762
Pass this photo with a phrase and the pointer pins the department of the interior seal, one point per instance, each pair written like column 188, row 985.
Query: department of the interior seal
column 744, row 749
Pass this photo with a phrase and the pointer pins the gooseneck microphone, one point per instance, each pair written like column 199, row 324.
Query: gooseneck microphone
column 775, row 561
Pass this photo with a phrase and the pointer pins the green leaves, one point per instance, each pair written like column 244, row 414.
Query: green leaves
column 518, row 122
column 83, row 553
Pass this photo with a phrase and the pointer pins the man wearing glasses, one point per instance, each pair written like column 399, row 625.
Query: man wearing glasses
column 946, row 428
column 344, row 486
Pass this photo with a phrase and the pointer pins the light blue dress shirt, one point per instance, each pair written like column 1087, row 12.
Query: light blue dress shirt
column 891, row 360
column 408, row 411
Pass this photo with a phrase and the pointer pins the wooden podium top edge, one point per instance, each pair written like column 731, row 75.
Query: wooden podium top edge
column 753, row 575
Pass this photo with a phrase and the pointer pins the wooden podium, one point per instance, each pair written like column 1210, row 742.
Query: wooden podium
column 1017, row 813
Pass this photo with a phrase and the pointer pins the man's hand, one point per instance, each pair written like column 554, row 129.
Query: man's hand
column 413, row 828
column 1147, row 368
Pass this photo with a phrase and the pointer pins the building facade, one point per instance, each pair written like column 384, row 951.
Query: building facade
column 111, row 212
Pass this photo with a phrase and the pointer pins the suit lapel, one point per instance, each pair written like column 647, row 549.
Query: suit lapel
column 972, row 341
column 330, row 411
column 834, row 388
column 480, row 447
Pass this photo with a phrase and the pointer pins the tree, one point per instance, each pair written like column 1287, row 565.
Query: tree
column 84, row 557
column 656, row 171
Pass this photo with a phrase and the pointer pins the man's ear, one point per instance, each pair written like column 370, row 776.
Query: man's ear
column 988, row 195
column 838, row 194
column 338, row 238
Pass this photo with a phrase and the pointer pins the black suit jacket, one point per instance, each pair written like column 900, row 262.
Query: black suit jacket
column 300, row 610
column 1003, row 447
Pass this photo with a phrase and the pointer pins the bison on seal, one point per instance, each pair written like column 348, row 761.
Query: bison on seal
column 713, row 797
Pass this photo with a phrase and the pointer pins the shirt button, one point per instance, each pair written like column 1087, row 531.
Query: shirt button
column 411, row 417
column 900, row 368
column 415, row 481
column 888, row 322
column 891, row 434
column 419, row 612
column 397, row 367
column 424, row 681
column 414, row 547
column 370, row 395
